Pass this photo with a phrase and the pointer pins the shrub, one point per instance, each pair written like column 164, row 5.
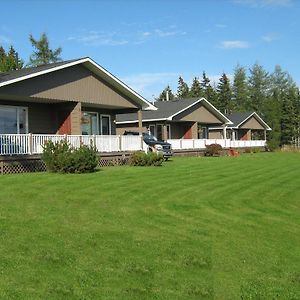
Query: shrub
column 62, row 158
column 213, row 150
column 145, row 159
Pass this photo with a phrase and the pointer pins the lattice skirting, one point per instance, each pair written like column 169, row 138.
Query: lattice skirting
column 36, row 165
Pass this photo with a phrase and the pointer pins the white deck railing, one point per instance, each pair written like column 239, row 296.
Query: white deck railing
column 185, row 144
column 18, row 144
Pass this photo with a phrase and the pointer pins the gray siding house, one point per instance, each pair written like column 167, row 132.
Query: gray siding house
column 70, row 97
column 176, row 119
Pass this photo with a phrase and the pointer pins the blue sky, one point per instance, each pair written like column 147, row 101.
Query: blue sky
column 148, row 44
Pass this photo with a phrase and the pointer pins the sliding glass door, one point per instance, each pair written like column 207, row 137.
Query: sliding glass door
column 13, row 120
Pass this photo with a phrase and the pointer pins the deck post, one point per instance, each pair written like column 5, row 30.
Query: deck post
column 224, row 132
column 30, row 143
column 140, row 119
column 265, row 134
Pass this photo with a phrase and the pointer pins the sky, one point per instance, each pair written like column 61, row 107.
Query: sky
column 150, row 43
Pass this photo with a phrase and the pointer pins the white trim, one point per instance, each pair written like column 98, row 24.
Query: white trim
column 259, row 118
column 237, row 127
column 144, row 120
column 227, row 121
column 18, row 117
column 101, row 70
column 109, row 123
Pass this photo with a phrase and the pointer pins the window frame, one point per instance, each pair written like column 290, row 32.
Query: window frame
column 18, row 117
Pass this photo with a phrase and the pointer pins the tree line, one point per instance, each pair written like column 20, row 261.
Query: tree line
column 274, row 96
column 42, row 54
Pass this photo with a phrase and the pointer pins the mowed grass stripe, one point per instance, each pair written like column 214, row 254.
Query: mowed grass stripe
column 196, row 228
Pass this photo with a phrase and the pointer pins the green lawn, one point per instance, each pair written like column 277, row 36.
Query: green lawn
column 196, row 228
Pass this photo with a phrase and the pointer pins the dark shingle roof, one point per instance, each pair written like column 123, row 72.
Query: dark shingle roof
column 164, row 111
column 238, row 117
column 6, row 76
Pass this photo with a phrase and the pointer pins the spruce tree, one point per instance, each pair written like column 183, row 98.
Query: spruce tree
column 163, row 94
column 258, row 84
column 239, row 89
column 9, row 61
column 43, row 54
column 207, row 89
column 183, row 89
column 196, row 90
column 224, row 94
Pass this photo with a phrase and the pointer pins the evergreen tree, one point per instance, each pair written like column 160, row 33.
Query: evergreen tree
column 196, row 90
column 207, row 90
column 9, row 61
column 239, row 89
column 224, row 94
column 258, row 84
column 43, row 54
column 183, row 89
column 163, row 94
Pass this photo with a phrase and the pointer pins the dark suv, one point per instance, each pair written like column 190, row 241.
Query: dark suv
column 154, row 145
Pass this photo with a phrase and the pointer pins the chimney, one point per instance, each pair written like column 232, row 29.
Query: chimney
column 167, row 95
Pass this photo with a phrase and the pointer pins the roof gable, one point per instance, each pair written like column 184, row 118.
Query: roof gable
column 28, row 73
column 168, row 110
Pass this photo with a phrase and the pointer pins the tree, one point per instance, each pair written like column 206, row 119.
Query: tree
column 43, row 54
column 258, row 83
column 163, row 95
column 196, row 90
column 183, row 89
column 239, row 89
column 9, row 61
column 224, row 94
column 207, row 90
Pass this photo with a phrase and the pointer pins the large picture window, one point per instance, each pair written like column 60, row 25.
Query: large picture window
column 13, row 120
column 89, row 123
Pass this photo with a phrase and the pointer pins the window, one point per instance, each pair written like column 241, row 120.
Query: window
column 13, row 120
column 168, row 131
column 159, row 132
column 89, row 123
column 105, row 125
column 202, row 132
column 152, row 129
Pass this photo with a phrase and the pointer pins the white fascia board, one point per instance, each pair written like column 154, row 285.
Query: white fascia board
column 138, row 97
column 259, row 118
column 144, row 120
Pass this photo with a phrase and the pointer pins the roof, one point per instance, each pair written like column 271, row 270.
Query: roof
column 12, row 77
column 166, row 110
column 239, row 118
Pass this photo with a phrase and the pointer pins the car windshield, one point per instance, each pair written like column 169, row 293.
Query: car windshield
column 149, row 136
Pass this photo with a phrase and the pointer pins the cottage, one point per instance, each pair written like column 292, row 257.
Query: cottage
column 246, row 126
column 70, row 97
column 177, row 119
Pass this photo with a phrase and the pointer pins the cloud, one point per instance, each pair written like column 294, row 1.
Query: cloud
column 5, row 40
column 99, row 38
column 264, row 3
column 166, row 33
column 268, row 38
column 235, row 44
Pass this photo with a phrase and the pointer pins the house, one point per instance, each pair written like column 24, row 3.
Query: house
column 245, row 126
column 176, row 119
column 69, row 97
